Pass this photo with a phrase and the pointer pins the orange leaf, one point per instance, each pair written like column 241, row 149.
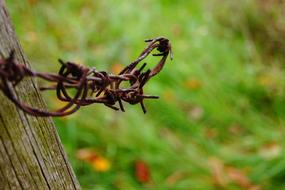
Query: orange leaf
column 101, row 164
column 98, row 162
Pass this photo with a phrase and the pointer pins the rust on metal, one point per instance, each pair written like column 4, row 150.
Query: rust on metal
column 90, row 85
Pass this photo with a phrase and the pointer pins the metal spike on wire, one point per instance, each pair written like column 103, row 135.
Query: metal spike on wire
column 91, row 86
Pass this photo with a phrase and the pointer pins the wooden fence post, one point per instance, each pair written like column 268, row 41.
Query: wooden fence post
column 31, row 154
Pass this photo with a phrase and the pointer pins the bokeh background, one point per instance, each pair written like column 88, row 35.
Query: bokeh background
column 219, row 123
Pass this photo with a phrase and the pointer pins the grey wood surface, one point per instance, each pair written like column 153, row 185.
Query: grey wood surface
column 31, row 154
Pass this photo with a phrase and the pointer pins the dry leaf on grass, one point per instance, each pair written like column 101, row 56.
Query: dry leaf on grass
column 98, row 163
column 218, row 174
column 223, row 175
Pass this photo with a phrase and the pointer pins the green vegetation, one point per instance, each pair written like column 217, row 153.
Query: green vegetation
column 220, row 121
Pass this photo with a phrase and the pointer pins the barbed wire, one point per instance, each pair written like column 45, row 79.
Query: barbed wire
column 90, row 86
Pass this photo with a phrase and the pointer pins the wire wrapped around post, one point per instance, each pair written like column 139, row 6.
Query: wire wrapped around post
column 91, row 86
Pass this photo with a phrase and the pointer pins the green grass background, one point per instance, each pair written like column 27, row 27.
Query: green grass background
column 222, row 103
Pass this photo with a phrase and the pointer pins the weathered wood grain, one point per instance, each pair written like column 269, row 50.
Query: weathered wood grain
column 31, row 154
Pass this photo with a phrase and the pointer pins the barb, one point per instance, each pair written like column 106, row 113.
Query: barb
column 90, row 86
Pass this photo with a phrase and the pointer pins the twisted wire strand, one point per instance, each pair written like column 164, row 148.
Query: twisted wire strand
column 91, row 86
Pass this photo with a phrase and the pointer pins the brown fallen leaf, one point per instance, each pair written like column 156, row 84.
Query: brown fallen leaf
column 217, row 170
column 240, row 178
column 224, row 175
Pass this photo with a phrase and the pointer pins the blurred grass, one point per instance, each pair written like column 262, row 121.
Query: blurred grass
column 219, row 123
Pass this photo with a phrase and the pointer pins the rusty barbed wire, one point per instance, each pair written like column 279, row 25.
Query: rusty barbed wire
column 91, row 86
